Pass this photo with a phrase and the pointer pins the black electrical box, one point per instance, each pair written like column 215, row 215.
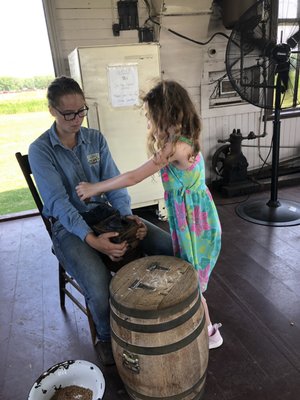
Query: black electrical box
column 128, row 15
column 146, row 34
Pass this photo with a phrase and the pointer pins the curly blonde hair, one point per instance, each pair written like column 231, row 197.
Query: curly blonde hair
column 171, row 110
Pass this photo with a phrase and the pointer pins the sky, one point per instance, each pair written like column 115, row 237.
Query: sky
column 24, row 44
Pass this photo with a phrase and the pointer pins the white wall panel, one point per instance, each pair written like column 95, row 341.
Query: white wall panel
column 77, row 4
column 84, row 23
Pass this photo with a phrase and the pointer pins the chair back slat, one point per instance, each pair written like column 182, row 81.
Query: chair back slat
column 26, row 169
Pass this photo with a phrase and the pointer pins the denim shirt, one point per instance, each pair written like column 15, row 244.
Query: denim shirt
column 57, row 170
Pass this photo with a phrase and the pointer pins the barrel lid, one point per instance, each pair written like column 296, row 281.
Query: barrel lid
column 153, row 283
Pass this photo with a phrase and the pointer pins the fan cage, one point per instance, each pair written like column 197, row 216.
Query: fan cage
column 256, row 53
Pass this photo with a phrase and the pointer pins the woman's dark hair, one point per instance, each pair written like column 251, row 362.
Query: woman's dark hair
column 60, row 87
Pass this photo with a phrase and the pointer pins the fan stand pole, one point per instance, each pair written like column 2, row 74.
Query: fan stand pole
column 273, row 202
column 272, row 212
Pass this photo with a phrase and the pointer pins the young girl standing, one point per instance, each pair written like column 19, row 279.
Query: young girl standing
column 173, row 143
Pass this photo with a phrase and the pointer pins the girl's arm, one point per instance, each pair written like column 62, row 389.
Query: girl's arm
column 86, row 190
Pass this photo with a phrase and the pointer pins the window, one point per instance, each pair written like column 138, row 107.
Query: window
column 288, row 32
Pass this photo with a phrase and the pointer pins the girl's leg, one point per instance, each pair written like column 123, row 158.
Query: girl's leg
column 206, row 312
column 214, row 337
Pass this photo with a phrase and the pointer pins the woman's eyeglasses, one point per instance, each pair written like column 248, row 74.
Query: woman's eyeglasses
column 69, row 116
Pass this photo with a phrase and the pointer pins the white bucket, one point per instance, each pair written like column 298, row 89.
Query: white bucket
column 68, row 373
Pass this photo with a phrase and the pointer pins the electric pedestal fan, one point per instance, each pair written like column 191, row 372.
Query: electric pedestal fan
column 264, row 69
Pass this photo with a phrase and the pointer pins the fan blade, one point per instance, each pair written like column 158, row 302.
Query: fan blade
column 294, row 40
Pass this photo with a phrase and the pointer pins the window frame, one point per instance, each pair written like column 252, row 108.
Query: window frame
column 276, row 22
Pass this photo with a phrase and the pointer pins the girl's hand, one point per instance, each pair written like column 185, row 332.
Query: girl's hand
column 86, row 190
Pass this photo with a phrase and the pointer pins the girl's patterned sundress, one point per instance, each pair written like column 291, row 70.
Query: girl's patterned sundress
column 193, row 217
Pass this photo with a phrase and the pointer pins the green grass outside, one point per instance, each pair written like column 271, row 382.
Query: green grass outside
column 17, row 130
column 16, row 201
column 21, row 106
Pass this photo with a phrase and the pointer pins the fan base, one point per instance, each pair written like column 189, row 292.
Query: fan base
column 287, row 213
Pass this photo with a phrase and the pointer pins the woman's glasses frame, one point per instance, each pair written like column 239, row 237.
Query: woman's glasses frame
column 70, row 116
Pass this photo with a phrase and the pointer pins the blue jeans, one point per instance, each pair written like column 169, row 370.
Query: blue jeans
column 86, row 266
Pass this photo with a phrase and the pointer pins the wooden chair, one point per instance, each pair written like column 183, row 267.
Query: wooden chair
column 63, row 277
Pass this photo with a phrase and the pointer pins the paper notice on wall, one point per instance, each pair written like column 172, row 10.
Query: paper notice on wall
column 123, row 84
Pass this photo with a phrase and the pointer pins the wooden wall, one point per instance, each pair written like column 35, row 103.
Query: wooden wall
column 74, row 23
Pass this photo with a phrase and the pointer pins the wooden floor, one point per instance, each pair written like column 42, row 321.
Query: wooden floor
column 254, row 292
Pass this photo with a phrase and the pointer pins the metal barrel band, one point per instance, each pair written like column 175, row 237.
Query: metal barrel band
column 155, row 328
column 155, row 351
column 151, row 314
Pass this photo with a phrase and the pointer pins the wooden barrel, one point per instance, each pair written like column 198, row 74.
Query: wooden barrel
column 159, row 334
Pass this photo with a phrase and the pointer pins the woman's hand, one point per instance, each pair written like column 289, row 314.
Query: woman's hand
column 103, row 244
column 142, row 229
column 85, row 190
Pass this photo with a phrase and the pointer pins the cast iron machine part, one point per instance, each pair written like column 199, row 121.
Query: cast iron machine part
column 229, row 161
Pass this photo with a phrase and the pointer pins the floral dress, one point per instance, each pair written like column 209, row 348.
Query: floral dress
column 193, row 217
